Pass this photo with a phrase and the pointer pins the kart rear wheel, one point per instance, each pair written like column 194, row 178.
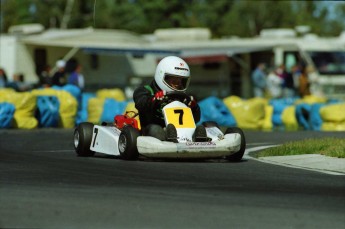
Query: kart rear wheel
column 239, row 154
column 128, row 143
column 82, row 139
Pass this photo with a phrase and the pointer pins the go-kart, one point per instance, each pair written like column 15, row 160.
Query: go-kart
column 123, row 138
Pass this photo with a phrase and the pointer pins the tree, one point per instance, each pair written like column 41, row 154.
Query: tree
column 223, row 17
column 14, row 12
column 211, row 14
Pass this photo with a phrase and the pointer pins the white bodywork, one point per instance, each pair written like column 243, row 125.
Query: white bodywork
column 152, row 147
column 184, row 132
column 105, row 139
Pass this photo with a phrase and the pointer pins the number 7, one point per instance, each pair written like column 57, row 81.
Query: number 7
column 94, row 140
column 180, row 112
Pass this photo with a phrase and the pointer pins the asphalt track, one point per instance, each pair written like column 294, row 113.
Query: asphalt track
column 43, row 184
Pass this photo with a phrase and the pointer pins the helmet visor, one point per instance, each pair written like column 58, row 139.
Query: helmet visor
column 176, row 83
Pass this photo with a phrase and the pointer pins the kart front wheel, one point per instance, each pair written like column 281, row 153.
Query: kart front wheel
column 128, row 143
column 239, row 154
column 82, row 139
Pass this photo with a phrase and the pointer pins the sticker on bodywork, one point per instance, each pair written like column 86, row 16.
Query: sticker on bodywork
column 180, row 117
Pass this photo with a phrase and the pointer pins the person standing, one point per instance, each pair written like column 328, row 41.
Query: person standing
column 59, row 77
column 3, row 78
column 274, row 85
column 74, row 76
column 45, row 79
column 304, row 85
column 259, row 80
column 81, row 79
column 288, row 86
column 18, row 83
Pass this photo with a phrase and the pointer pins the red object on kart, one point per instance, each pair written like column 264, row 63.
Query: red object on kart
column 123, row 120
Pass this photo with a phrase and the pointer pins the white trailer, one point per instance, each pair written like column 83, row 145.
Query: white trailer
column 15, row 58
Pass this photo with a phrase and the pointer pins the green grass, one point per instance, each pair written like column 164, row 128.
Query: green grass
column 333, row 147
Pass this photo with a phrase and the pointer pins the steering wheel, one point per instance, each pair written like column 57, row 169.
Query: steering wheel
column 176, row 95
column 172, row 96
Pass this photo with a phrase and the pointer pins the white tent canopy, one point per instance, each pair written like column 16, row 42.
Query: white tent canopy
column 115, row 42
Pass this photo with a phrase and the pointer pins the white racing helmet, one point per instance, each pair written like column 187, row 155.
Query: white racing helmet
column 172, row 74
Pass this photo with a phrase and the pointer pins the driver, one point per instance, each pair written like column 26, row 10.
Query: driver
column 172, row 74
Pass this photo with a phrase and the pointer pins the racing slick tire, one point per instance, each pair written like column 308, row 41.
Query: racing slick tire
column 239, row 154
column 128, row 143
column 82, row 139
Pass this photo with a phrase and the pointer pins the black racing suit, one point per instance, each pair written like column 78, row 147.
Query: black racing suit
column 151, row 112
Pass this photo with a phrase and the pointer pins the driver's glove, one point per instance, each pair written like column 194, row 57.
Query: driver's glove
column 159, row 95
column 190, row 101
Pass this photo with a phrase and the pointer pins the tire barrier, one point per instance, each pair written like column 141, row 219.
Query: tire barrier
column 249, row 114
column 311, row 99
column 315, row 119
column 104, row 104
column 279, row 105
column 268, row 124
column 289, row 118
column 303, row 115
column 116, row 94
column 82, row 115
column 111, row 108
column 65, row 107
column 72, row 89
column 6, row 115
column 214, row 109
column 68, row 105
column 47, row 112
column 95, row 109
column 333, row 117
column 25, row 107
column 78, row 95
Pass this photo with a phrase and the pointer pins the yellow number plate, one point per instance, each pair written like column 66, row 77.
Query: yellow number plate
column 181, row 117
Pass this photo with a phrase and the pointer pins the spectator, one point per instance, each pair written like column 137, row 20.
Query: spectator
column 18, row 83
column 296, row 73
column 81, row 79
column 74, row 74
column 274, row 85
column 45, row 79
column 304, row 85
column 315, row 87
column 59, row 77
column 259, row 80
column 280, row 70
column 288, row 84
column 3, row 78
